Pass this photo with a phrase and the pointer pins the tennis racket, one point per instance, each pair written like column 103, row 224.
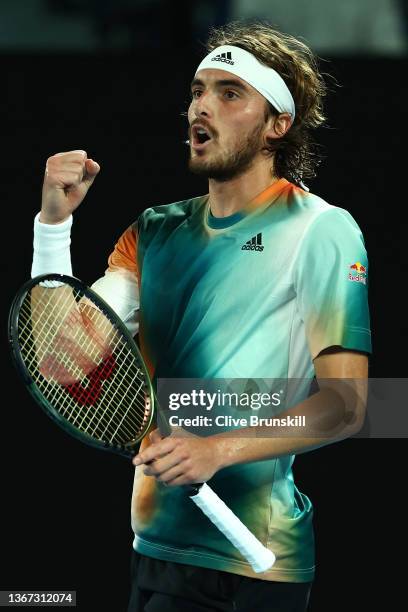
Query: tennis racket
column 82, row 366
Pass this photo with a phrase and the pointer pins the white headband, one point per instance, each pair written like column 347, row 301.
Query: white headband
column 245, row 65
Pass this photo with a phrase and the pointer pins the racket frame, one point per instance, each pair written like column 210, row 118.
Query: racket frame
column 129, row 449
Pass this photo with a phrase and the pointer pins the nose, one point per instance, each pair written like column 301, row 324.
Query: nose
column 202, row 105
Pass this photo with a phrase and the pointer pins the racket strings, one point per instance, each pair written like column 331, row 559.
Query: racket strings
column 90, row 375
column 68, row 407
column 110, row 394
column 45, row 311
column 63, row 356
column 64, row 359
column 46, row 330
column 126, row 402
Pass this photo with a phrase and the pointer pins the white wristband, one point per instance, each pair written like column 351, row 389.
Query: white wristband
column 52, row 248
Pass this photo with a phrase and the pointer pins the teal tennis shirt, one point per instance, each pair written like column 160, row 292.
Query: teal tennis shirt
column 258, row 294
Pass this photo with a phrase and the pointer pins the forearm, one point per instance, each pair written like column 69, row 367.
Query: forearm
column 330, row 416
column 55, row 307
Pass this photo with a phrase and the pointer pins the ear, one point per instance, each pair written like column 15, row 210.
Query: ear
column 278, row 125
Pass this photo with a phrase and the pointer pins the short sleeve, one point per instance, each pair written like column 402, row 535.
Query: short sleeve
column 124, row 255
column 331, row 284
column 119, row 287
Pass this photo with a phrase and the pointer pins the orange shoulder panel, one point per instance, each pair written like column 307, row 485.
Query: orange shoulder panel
column 125, row 252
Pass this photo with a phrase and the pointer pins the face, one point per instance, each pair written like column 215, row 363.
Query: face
column 227, row 125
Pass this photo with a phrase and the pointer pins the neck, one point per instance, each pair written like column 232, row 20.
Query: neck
column 227, row 198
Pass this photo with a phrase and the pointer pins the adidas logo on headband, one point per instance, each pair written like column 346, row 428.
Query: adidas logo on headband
column 265, row 79
column 223, row 57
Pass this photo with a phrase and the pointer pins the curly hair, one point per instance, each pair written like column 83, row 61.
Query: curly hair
column 296, row 155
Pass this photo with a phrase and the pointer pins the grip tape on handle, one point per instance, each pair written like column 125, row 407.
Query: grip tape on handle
column 260, row 557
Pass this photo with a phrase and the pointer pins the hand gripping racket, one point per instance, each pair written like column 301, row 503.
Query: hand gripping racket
column 82, row 366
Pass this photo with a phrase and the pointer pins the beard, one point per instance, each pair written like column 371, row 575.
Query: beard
column 226, row 166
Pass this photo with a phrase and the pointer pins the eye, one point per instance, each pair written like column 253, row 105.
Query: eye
column 230, row 95
column 196, row 93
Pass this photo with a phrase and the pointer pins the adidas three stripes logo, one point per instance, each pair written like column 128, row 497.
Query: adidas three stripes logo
column 224, row 57
column 254, row 244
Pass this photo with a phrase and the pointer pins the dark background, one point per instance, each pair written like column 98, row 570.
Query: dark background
column 65, row 508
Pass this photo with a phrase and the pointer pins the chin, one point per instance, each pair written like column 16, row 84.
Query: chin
column 199, row 167
column 219, row 172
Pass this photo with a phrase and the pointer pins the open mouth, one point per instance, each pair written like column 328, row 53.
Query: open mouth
column 200, row 136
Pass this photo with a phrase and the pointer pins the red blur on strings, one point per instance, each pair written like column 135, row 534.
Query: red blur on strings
column 84, row 395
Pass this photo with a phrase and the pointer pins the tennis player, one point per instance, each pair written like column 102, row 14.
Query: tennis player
column 257, row 279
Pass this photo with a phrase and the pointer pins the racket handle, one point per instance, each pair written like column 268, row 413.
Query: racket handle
column 260, row 557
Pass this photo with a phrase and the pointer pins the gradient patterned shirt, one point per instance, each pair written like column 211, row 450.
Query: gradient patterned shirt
column 258, row 294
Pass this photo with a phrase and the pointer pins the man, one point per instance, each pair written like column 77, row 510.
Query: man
column 257, row 279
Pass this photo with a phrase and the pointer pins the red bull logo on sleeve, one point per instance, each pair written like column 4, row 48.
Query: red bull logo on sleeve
column 357, row 273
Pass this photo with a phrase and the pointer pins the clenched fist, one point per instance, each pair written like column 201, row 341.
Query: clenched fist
column 67, row 179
